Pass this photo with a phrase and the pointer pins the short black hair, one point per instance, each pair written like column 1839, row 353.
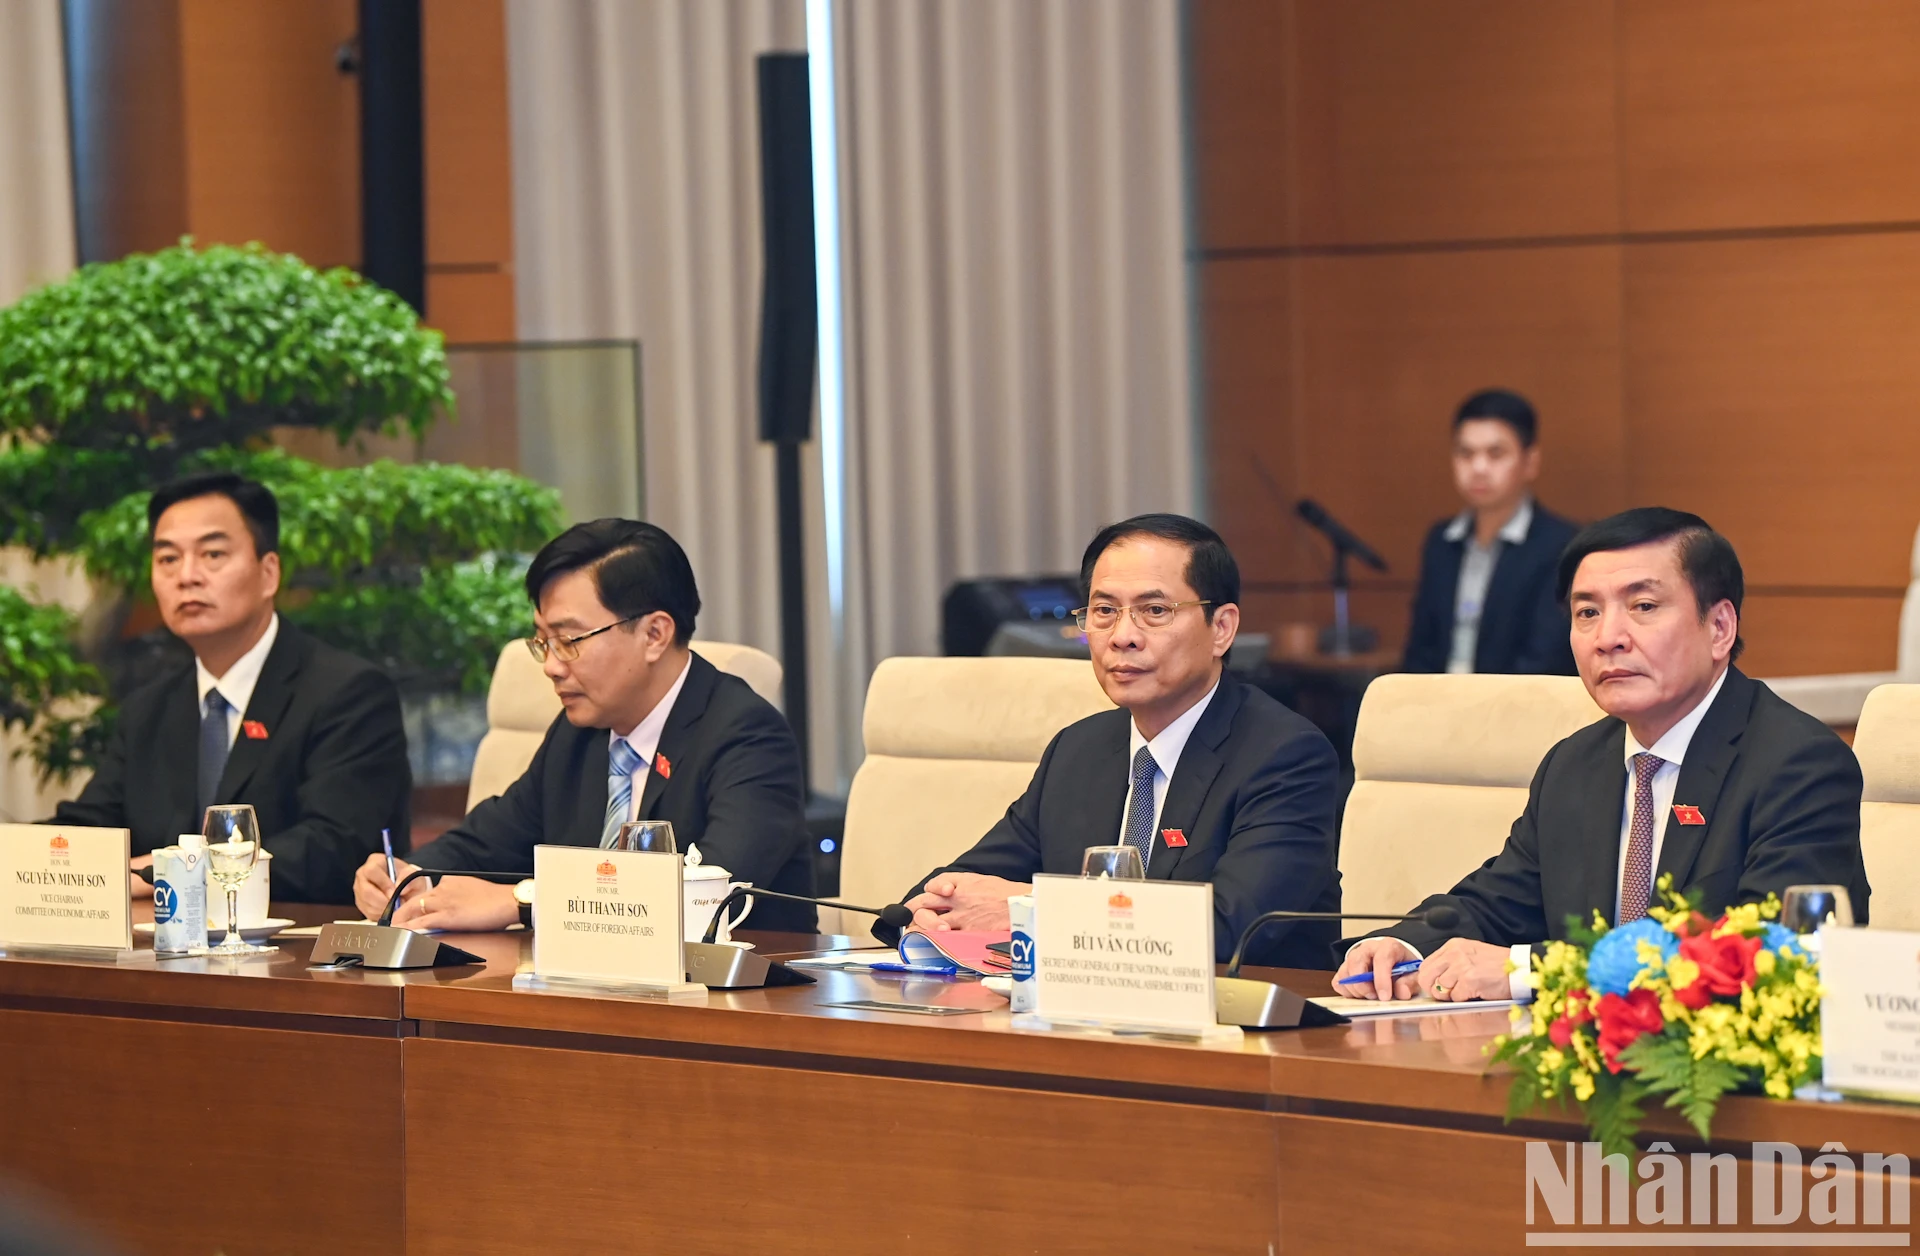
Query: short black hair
column 636, row 567
column 1210, row 566
column 1505, row 405
column 1706, row 557
column 254, row 500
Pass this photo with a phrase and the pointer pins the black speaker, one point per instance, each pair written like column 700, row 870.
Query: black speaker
column 393, row 216
column 789, row 302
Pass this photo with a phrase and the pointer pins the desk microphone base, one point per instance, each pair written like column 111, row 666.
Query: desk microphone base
column 721, row 967
column 344, row 943
column 1263, row 1005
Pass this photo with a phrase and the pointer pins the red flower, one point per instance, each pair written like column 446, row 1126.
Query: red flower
column 1695, row 926
column 1726, row 966
column 1580, row 1005
column 1561, row 1031
column 1622, row 1021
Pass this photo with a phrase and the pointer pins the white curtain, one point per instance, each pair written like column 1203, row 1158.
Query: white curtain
column 36, row 207
column 1017, row 301
column 36, row 246
column 636, row 178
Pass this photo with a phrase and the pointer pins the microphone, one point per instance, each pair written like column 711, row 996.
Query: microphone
column 498, row 878
column 1439, row 916
column 1337, row 532
column 345, row 943
column 894, row 914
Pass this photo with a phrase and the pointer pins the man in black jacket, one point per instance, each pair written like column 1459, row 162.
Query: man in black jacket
column 310, row 737
column 1697, row 772
column 1485, row 600
column 649, row 731
column 1209, row 778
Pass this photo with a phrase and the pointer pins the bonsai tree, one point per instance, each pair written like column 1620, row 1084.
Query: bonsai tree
column 128, row 373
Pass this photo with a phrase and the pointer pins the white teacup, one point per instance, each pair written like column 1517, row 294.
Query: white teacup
column 251, row 906
column 703, row 886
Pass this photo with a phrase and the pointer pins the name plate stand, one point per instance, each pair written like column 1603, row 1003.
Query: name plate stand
column 608, row 922
column 65, row 893
column 1870, row 1012
column 1126, row 957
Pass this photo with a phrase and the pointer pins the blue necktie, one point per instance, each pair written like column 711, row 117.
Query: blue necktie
column 621, row 763
column 216, row 741
column 1140, row 806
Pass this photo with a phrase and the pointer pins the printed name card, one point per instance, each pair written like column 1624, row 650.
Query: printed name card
column 609, row 916
column 1124, row 953
column 65, row 887
column 1870, row 1013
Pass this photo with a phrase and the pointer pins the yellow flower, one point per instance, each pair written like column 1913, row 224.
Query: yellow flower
column 1763, row 964
column 1582, row 1085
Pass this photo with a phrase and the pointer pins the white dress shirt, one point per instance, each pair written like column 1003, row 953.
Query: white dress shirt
column 645, row 737
column 238, row 684
column 1166, row 750
column 1477, row 562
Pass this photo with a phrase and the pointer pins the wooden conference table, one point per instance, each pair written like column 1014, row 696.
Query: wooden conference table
column 440, row 1111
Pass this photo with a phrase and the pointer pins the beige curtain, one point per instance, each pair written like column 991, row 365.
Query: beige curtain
column 636, row 211
column 36, row 245
column 1017, row 308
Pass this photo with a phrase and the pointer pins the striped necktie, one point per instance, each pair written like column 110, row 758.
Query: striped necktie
column 1140, row 806
column 621, row 764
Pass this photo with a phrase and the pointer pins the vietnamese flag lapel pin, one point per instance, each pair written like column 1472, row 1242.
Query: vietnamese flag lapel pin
column 663, row 767
column 1688, row 815
column 1173, row 837
column 255, row 730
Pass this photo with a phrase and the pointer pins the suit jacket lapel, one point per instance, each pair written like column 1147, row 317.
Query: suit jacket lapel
column 1193, row 777
column 589, row 817
column 1596, row 848
column 272, row 695
column 1710, row 755
column 675, row 739
column 178, row 754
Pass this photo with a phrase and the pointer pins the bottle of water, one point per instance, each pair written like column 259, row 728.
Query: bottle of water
column 1026, row 992
column 180, row 896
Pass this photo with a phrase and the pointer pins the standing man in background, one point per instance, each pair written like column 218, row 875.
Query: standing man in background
column 1485, row 600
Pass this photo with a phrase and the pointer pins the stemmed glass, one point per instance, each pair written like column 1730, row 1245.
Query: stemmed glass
column 1804, row 908
column 1121, row 863
column 233, row 844
column 648, row 835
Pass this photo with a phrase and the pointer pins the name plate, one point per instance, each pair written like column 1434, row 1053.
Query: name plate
column 65, row 887
column 1870, row 1012
column 608, row 916
column 1124, row 953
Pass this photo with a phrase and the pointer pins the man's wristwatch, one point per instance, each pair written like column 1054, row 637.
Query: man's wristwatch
column 523, row 895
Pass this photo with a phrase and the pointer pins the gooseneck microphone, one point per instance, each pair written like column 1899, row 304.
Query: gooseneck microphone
column 894, row 914
column 1438, row 917
column 1343, row 539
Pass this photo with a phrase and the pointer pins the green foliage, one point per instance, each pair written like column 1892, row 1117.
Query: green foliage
column 449, row 627
column 184, row 349
column 41, row 673
column 1614, row 1115
column 359, row 522
column 1694, row 1086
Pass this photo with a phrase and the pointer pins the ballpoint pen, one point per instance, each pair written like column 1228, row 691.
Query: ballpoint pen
column 1405, row 968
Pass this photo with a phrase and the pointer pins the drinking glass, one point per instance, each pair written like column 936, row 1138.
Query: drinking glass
column 649, row 835
column 1804, row 908
column 233, row 843
column 1121, row 863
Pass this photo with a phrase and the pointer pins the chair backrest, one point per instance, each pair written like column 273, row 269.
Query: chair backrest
column 1887, row 743
column 1441, row 769
column 521, row 704
column 950, row 743
column 1908, row 656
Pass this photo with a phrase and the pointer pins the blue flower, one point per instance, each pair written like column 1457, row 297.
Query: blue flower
column 1615, row 960
column 1774, row 936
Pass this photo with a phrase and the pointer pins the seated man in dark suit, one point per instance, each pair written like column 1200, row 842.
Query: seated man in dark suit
column 1244, row 786
column 310, row 737
column 1697, row 772
column 649, row 731
column 1485, row 601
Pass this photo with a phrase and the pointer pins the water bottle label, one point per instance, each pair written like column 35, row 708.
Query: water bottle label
column 165, row 902
column 1022, row 957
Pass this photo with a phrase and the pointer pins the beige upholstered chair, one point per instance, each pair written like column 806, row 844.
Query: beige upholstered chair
column 521, row 704
column 950, row 742
column 1441, row 768
column 1888, row 744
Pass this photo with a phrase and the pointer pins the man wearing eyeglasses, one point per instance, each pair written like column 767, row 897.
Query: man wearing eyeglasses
column 649, row 730
column 1207, row 777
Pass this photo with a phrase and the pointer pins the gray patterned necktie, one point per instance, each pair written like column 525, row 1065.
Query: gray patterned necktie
column 1140, row 806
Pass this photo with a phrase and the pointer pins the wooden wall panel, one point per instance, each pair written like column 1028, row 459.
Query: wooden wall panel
column 1772, row 388
column 272, row 128
column 1241, row 123
column 1391, row 343
column 471, row 307
column 1466, row 120
column 469, row 170
column 1254, row 442
column 1742, row 113
column 1802, row 636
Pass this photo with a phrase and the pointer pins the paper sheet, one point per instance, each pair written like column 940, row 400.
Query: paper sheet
column 1405, row 1007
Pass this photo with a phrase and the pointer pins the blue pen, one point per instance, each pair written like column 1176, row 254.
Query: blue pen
column 918, row 969
column 1405, row 968
column 386, row 840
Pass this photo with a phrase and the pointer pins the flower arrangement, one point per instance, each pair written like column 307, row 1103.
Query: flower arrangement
column 1675, row 1005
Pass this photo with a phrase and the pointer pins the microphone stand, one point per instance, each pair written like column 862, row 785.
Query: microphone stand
column 721, row 966
column 1254, row 1004
column 346, row 943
